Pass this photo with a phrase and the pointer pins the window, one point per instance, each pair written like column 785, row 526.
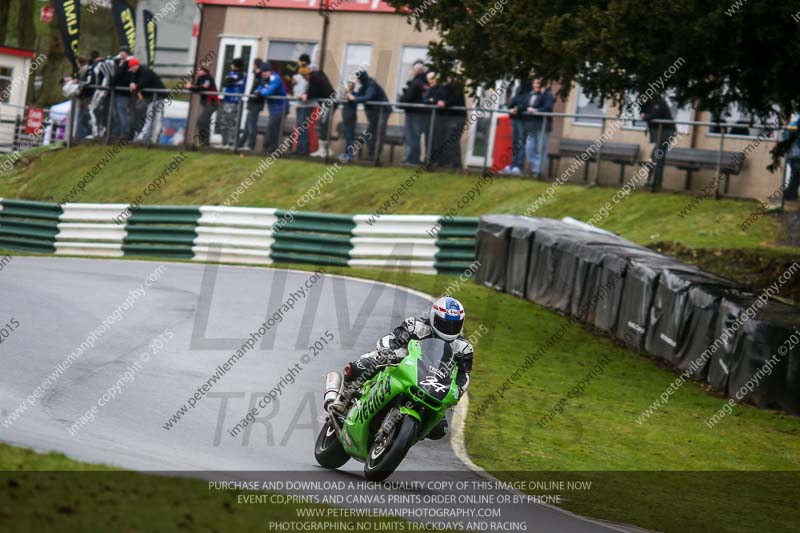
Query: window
column 356, row 57
column 747, row 124
column 408, row 56
column 679, row 114
column 290, row 51
column 587, row 106
column 5, row 84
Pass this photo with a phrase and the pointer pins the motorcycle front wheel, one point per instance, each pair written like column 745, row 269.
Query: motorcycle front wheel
column 328, row 451
column 386, row 456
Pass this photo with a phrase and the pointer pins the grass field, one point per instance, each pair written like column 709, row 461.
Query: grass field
column 50, row 492
column 645, row 473
column 203, row 179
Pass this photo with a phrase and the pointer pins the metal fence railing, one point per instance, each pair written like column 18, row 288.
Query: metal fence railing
column 15, row 135
column 374, row 132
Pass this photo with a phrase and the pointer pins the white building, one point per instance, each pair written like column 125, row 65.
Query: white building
column 15, row 67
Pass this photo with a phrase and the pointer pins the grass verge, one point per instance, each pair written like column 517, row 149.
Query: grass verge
column 50, row 492
column 210, row 178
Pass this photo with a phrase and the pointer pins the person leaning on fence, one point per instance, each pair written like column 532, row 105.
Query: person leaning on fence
column 121, row 81
column 321, row 93
column 349, row 119
column 255, row 105
column 455, row 120
column 436, row 95
column 416, row 122
column 274, row 92
column 147, row 89
column 660, row 135
column 790, row 193
column 370, row 93
column 209, row 103
column 82, row 126
column 303, row 110
column 235, row 82
column 537, row 127
column 517, row 107
column 102, row 74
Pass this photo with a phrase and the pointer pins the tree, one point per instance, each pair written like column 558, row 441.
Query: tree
column 26, row 29
column 730, row 52
column 5, row 10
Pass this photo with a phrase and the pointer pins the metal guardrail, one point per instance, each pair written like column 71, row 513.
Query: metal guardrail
column 470, row 114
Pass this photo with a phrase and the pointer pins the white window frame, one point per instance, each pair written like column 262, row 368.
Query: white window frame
column 576, row 121
column 10, row 79
column 314, row 53
column 343, row 69
column 685, row 113
column 238, row 42
column 401, row 80
column 709, row 133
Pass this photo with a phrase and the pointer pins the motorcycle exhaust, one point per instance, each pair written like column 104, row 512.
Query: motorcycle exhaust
column 333, row 384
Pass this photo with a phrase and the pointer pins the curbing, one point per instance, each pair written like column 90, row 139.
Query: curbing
column 245, row 235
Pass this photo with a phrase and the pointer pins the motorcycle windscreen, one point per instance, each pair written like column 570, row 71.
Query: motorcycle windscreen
column 435, row 368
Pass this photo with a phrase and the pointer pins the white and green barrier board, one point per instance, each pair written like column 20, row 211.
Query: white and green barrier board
column 247, row 235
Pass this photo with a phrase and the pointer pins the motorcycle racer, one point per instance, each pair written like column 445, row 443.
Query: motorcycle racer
column 444, row 321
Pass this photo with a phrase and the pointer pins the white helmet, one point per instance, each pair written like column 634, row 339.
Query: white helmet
column 447, row 318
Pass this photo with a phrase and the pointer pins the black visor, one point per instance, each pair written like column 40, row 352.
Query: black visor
column 448, row 327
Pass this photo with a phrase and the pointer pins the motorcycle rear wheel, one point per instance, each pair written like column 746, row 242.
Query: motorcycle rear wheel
column 328, row 451
column 383, row 460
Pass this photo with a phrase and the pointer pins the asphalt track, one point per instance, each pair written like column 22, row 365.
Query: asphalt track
column 207, row 312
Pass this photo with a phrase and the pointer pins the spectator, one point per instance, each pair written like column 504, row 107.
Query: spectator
column 519, row 133
column 793, row 159
column 235, row 82
column 299, row 90
column 255, row 105
column 455, row 120
column 209, row 103
column 102, row 74
column 82, row 128
column 436, row 95
column 538, row 128
column 660, row 135
column 349, row 118
column 371, row 94
column 121, row 81
column 145, row 86
column 416, row 119
column 320, row 93
column 273, row 91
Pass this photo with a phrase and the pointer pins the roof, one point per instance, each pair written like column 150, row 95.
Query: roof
column 369, row 6
column 19, row 52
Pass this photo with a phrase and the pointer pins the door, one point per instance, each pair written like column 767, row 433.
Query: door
column 480, row 145
column 229, row 49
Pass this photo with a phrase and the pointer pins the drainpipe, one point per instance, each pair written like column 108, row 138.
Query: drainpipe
column 325, row 12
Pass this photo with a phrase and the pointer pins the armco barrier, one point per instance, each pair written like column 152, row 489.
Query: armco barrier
column 702, row 324
column 244, row 235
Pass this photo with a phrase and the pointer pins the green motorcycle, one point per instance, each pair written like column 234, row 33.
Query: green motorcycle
column 395, row 409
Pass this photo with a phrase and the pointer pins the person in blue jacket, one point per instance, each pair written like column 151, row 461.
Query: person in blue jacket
column 235, row 82
column 371, row 93
column 538, row 128
column 273, row 90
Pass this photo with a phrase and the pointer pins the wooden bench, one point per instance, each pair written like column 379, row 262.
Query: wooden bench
column 395, row 135
column 623, row 154
column 692, row 160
